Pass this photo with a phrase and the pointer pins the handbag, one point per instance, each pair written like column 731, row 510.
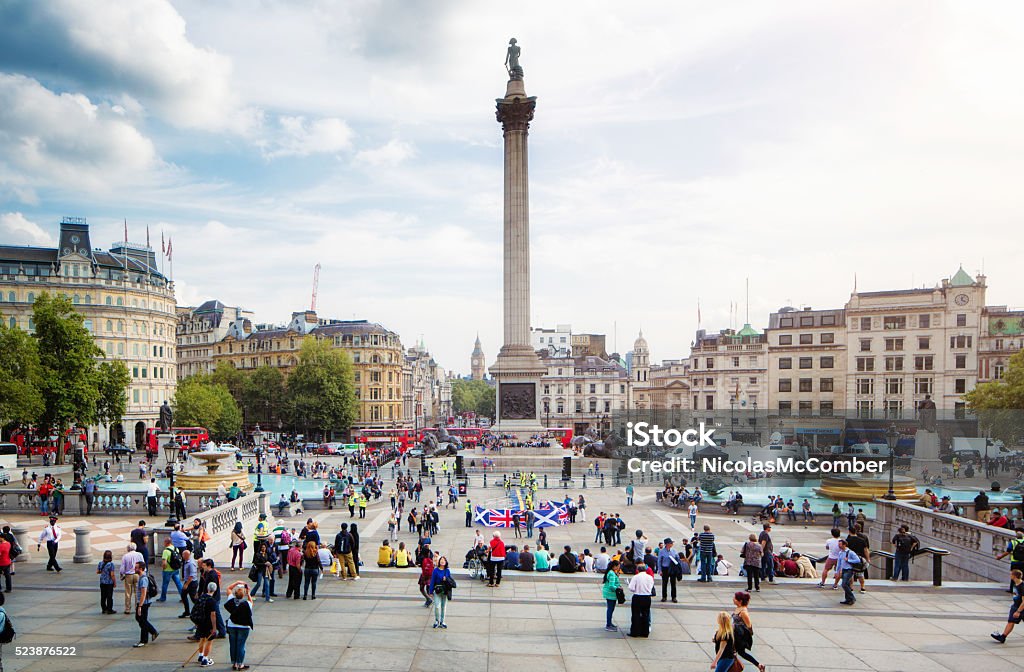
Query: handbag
column 737, row 666
column 254, row 573
column 620, row 595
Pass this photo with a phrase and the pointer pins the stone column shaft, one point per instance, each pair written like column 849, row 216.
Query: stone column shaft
column 517, row 240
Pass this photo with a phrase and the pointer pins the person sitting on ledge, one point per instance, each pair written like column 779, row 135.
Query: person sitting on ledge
column 542, row 560
column 998, row 519
column 567, row 562
column 946, row 506
column 385, row 555
column 282, row 504
column 526, row 560
column 512, row 558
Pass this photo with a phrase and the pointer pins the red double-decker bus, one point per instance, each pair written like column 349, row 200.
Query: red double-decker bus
column 374, row 439
column 190, row 438
column 563, row 434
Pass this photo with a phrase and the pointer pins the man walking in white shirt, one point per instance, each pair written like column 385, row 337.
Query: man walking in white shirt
column 51, row 534
column 151, row 493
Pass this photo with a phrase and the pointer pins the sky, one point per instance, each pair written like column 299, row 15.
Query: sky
column 678, row 151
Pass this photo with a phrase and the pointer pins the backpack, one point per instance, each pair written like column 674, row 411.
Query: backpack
column 1017, row 550
column 7, row 634
column 857, row 566
column 174, row 562
column 200, row 611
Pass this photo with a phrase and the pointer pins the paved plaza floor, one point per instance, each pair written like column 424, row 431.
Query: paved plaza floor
column 540, row 622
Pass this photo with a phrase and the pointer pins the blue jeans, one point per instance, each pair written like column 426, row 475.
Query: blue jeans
column 901, row 566
column 848, row 586
column 44, row 504
column 693, row 520
column 236, row 644
column 707, row 566
column 724, row 664
column 610, row 611
column 768, row 567
column 268, row 585
column 168, row 577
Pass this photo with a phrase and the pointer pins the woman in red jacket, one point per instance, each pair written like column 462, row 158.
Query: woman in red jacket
column 426, row 569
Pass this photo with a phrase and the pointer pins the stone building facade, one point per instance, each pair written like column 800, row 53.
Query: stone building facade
column 128, row 306
column 199, row 329
column 905, row 344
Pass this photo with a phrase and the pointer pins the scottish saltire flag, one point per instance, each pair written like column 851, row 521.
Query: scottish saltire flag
column 549, row 516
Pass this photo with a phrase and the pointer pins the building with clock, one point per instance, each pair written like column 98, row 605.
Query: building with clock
column 905, row 344
column 127, row 303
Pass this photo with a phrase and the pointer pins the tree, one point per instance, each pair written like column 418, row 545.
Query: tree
column 321, row 389
column 20, row 398
column 475, row 396
column 113, row 381
column 229, row 422
column 200, row 402
column 227, row 375
column 999, row 404
column 195, row 404
column 263, row 395
column 68, row 363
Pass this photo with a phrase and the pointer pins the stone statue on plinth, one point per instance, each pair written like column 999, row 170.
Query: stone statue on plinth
column 166, row 417
column 926, row 411
column 515, row 71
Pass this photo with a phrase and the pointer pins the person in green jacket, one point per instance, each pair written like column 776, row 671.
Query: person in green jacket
column 609, row 589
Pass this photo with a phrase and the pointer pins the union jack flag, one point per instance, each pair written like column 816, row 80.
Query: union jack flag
column 550, row 516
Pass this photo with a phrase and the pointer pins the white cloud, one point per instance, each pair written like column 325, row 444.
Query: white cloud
column 16, row 230
column 66, row 140
column 140, row 48
column 298, row 137
column 389, row 155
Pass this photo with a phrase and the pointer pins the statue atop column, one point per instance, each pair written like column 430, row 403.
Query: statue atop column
column 166, row 417
column 515, row 71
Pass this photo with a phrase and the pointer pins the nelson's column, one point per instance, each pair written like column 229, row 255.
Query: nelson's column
column 518, row 368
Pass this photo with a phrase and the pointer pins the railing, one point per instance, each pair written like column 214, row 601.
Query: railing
column 972, row 546
column 24, row 500
column 937, row 555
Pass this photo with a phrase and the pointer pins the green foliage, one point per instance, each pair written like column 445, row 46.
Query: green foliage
column 20, row 398
column 201, row 402
column 229, row 422
column 114, row 380
column 321, row 389
column 999, row 404
column 263, row 396
column 70, row 378
column 227, row 375
column 473, row 395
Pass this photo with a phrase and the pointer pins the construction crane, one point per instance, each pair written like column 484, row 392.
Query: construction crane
column 316, row 284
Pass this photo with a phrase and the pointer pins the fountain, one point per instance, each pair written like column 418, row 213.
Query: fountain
column 866, row 487
column 210, row 471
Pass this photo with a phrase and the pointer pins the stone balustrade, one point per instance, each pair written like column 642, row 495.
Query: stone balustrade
column 109, row 502
column 972, row 545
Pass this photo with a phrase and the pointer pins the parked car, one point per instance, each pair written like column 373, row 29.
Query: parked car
column 119, row 449
column 5, row 477
column 331, row 448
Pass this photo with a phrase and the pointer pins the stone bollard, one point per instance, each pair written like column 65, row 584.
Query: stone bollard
column 21, row 536
column 83, row 546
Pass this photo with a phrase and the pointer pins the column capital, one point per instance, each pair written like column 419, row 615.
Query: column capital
column 515, row 114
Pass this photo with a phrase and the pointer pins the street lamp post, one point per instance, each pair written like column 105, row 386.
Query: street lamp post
column 257, row 438
column 170, row 449
column 892, row 437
